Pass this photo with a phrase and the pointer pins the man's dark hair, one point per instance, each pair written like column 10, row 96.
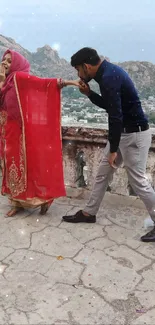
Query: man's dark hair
column 85, row 55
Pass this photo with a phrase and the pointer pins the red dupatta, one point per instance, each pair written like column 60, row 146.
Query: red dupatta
column 34, row 169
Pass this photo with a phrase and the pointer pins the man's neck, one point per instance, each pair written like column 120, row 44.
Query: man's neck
column 97, row 67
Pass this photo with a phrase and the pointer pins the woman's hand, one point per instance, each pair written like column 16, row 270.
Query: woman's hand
column 2, row 73
column 63, row 83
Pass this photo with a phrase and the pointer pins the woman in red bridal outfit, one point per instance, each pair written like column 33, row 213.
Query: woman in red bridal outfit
column 30, row 128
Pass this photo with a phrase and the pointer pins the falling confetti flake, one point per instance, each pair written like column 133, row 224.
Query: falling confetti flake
column 56, row 46
column 140, row 311
column 22, row 232
column 2, row 268
column 66, row 299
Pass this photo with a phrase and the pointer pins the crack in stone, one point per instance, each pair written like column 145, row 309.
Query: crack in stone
column 34, row 313
column 91, row 288
column 20, row 310
column 30, row 235
column 2, row 261
column 69, row 232
column 129, row 247
column 99, row 249
column 82, row 243
column 34, row 272
column 8, row 315
column 139, row 282
column 37, row 232
column 138, row 247
column 96, row 291
column 117, row 224
column 108, row 237
column 12, row 219
column 80, row 250
column 42, row 253
column 118, row 258
column 146, row 268
column 71, row 319
column 90, row 240
column 141, row 254
column 150, row 309
column 46, row 223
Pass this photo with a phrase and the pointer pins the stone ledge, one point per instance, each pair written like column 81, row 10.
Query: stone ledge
column 112, row 199
column 83, row 134
column 88, row 134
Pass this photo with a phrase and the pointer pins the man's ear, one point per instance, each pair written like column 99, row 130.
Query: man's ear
column 87, row 66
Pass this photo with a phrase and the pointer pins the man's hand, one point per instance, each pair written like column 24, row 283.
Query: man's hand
column 84, row 88
column 2, row 73
column 112, row 158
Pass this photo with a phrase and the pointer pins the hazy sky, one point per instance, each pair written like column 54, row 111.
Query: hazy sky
column 120, row 29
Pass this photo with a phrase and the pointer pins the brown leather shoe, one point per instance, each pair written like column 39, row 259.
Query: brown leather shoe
column 79, row 217
column 149, row 237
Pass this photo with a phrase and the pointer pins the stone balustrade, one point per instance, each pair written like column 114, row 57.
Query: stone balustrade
column 82, row 151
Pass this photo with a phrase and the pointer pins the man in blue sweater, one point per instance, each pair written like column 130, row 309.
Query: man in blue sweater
column 129, row 134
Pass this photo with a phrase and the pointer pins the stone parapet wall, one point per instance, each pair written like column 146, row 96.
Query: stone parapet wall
column 82, row 152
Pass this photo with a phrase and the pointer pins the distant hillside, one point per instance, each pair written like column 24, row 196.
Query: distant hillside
column 47, row 63
column 143, row 75
column 44, row 63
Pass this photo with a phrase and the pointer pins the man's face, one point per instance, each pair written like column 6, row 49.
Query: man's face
column 6, row 62
column 84, row 72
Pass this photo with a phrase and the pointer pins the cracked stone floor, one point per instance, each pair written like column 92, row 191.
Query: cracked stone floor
column 57, row 273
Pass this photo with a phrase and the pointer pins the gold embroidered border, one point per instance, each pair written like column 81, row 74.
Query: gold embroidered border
column 3, row 118
column 34, row 202
column 16, row 183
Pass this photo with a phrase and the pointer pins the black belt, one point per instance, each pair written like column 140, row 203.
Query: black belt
column 132, row 129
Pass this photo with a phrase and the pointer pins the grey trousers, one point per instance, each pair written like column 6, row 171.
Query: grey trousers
column 133, row 151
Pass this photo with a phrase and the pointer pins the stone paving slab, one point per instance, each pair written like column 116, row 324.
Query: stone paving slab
column 57, row 273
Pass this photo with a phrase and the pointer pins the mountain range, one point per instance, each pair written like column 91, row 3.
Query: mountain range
column 45, row 62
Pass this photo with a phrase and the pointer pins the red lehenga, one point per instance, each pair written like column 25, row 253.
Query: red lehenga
column 31, row 149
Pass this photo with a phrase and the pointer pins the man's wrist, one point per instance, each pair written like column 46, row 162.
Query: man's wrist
column 113, row 148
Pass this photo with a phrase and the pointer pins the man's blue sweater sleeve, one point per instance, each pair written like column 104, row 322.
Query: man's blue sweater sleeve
column 111, row 101
column 96, row 99
column 111, row 93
